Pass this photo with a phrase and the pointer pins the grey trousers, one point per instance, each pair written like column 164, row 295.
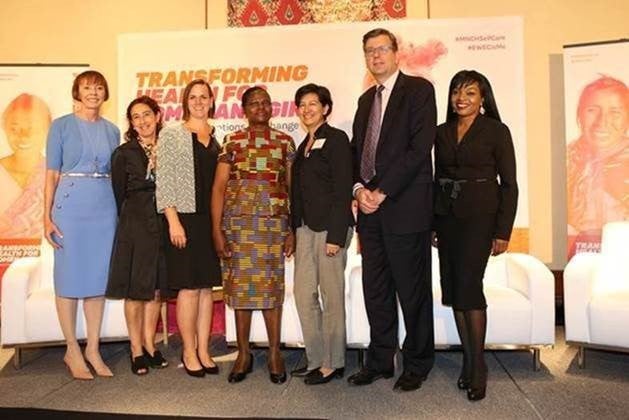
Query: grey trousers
column 322, row 322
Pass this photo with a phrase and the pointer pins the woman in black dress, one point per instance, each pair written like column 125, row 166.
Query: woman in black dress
column 137, row 272
column 186, row 162
column 474, row 212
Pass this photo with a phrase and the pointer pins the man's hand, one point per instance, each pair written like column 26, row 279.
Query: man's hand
column 499, row 246
column 366, row 201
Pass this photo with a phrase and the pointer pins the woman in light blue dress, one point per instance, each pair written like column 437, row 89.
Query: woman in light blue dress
column 80, row 217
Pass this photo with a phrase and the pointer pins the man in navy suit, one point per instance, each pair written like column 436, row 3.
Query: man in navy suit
column 393, row 134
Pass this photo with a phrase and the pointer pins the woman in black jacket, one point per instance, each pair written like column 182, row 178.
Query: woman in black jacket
column 474, row 212
column 322, row 218
column 137, row 272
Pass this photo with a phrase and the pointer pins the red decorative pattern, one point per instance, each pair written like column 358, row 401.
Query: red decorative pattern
column 292, row 12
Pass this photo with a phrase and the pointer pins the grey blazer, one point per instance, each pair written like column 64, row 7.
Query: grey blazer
column 174, row 170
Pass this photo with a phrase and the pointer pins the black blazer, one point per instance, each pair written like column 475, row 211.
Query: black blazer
column 403, row 158
column 321, row 189
column 485, row 152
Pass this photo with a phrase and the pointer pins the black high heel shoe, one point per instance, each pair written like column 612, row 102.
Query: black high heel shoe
column 157, row 360
column 200, row 373
column 277, row 378
column 240, row 376
column 476, row 391
column 210, row 370
column 139, row 365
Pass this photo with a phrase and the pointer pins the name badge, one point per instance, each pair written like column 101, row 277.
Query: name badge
column 318, row 144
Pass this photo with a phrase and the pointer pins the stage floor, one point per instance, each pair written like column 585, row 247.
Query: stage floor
column 559, row 390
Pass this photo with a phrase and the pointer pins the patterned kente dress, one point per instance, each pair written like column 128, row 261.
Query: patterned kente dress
column 255, row 217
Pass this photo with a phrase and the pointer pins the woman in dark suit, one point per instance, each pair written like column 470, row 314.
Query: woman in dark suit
column 322, row 218
column 474, row 212
column 137, row 273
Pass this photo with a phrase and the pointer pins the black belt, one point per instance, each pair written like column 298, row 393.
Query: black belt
column 456, row 184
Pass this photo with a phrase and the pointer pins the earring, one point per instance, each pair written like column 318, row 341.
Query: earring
column 482, row 109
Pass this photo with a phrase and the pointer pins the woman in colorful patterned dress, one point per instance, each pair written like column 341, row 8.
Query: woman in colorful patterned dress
column 250, row 224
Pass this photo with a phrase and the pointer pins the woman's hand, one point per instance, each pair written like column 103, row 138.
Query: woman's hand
column 433, row 239
column 331, row 249
column 499, row 246
column 289, row 244
column 223, row 250
column 49, row 229
column 177, row 235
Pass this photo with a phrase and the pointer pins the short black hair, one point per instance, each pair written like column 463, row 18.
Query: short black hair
column 465, row 78
column 322, row 92
column 377, row 32
column 249, row 92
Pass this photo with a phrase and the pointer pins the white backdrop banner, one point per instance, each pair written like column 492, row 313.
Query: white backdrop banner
column 287, row 57
column 597, row 135
column 30, row 96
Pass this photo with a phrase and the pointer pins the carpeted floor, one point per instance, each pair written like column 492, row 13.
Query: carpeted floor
column 559, row 390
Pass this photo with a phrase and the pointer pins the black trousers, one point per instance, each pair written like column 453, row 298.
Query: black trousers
column 398, row 265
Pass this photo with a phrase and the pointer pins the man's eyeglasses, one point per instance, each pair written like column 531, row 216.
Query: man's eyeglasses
column 383, row 49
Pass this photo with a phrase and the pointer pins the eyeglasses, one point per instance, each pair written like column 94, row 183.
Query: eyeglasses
column 383, row 49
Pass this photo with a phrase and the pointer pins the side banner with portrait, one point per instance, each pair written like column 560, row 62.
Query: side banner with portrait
column 597, row 135
column 31, row 96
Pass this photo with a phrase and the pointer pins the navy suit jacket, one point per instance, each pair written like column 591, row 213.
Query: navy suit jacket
column 403, row 155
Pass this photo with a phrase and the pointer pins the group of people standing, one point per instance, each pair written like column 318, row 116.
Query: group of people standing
column 172, row 212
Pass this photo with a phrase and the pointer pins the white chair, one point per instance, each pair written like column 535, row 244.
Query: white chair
column 521, row 309
column 28, row 313
column 596, row 295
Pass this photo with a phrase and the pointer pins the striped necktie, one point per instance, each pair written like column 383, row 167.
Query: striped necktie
column 368, row 158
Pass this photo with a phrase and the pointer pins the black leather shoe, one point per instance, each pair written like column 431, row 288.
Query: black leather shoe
column 302, row 371
column 409, row 381
column 194, row 373
column 240, row 376
column 365, row 376
column 315, row 377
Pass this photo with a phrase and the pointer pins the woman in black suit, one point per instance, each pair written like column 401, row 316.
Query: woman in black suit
column 321, row 195
column 137, row 271
column 474, row 212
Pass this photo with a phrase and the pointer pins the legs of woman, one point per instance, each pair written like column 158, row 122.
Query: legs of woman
column 93, row 308
column 187, row 313
column 204, row 323
column 476, row 321
column 133, row 315
column 466, row 371
column 273, row 322
column 243, row 329
column 151, row 316
column 66, row 311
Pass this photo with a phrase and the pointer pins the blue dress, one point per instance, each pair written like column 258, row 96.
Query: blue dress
column 83, row 208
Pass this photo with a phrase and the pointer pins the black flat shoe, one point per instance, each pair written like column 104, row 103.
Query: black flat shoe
column 157, row 360
column 302, row 371
column 365, row 376
column 139, row 365
column 462, row 383
column 194, row 373
column 234, row 377
column 315, row 377
column 277, row 378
